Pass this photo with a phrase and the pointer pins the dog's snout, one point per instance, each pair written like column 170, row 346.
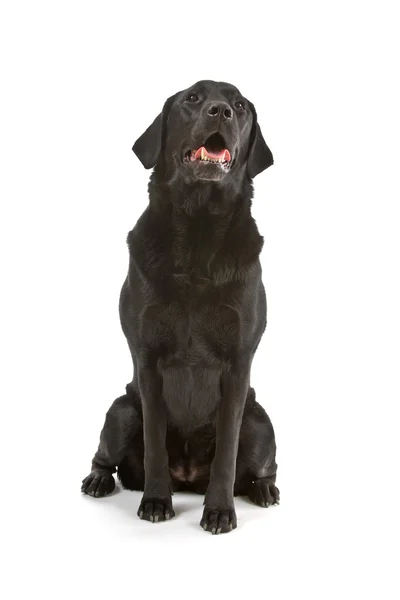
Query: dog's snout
column 220, row 109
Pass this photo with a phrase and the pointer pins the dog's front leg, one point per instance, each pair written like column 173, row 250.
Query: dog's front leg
column 219, row 512
column 156, row 504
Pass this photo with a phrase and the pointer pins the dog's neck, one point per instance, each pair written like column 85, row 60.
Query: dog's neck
column 195, row 198
column 201, row 229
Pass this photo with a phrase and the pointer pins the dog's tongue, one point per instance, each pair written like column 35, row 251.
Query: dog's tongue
column 223, row 155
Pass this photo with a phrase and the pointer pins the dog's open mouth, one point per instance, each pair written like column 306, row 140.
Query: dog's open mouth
column 214, row 150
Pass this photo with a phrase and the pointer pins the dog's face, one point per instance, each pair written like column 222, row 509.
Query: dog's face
column 208, row 132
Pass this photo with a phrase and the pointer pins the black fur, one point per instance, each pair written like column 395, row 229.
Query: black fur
column 193, row 310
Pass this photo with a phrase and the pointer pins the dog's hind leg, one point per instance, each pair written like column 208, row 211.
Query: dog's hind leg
column 256, row 467
column 131, row 468
column 123, row 422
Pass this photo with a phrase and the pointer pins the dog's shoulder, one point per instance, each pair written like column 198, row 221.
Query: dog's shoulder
column 238, row 259
column 247, row 240
column 149, row 240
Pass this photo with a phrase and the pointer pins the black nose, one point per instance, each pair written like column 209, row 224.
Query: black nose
column 220, row 108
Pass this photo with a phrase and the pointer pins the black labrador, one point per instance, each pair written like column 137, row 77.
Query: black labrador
column 193, row 310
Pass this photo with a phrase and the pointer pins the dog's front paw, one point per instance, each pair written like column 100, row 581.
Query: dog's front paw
column 156, row 509
column 98, row 484
column 264, row 492
column 218, row 520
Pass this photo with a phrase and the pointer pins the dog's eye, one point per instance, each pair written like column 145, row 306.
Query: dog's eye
column 239, row 105
column 192, row 98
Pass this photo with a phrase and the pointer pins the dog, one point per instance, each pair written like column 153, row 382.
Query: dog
column 193, row 310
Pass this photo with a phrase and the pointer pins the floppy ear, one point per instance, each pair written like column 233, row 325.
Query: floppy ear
column 149, row 145
column 260, row 156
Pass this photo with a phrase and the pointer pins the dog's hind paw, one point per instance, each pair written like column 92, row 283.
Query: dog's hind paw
column 264, row 492
column 218, row 521
column 156, row 509
column 98, row 484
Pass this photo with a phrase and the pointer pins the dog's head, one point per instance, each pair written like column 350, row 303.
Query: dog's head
column 208, row 132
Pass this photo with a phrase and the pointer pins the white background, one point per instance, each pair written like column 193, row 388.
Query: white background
column 80, row 82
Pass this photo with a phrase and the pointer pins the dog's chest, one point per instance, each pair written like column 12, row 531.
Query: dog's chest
column 195, row 243
column 196, row 294
column 192, row 343
column 191, row 332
